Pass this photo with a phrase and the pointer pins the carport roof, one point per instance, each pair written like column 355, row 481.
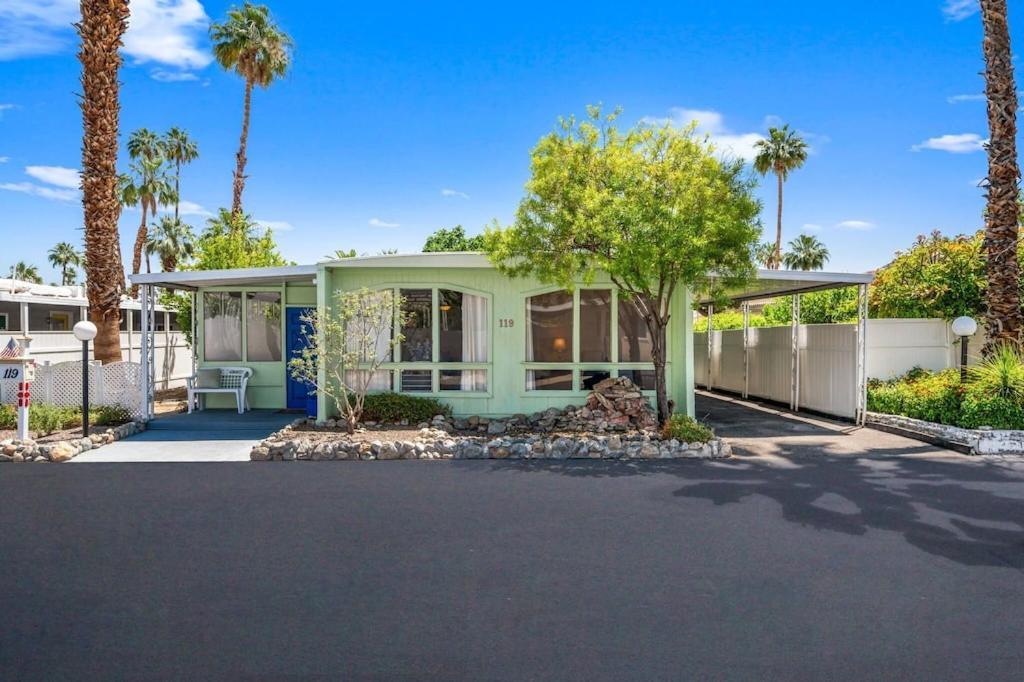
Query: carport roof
column 767, row 284
column 771, row 283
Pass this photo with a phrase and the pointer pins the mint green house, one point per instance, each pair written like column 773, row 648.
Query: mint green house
column 482, row 342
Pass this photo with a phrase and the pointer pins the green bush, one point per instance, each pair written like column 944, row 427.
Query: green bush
column 394, row 407
column 981, row 409
column 920, row 394
column 44, row 419
column 687, row 429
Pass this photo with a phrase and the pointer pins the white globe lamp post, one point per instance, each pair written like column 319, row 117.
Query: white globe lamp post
column 85, row 332
column 964, row 327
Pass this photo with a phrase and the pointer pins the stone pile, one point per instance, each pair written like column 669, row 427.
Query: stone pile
column 14, row 450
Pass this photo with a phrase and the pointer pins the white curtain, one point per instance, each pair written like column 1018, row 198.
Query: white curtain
column 222, row 326
column 362, row 327
column 474, row 341
column 380, row 381
column 529, row 332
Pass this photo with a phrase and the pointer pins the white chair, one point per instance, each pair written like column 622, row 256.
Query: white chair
column 219, row 380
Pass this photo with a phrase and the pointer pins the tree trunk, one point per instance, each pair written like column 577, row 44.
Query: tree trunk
column 777, row 257
column 657, row 327
column 1003, row 319
column 102, row 25
column 140, row 244
column 177, row 188
column 239, row 184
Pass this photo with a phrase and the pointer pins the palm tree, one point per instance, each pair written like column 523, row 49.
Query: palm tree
column 782, row 152
column 1003, row 318
column 249, row 43
column 179, row 149
column 340, row 254
column 764, row 254
column 25, row 272
column 172, row 241
column 67, row 258
column 145, row 144
column 806, row 252
column 100, row 31
column 150, row 187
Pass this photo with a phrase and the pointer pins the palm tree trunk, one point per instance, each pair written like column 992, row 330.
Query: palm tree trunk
column 239, row 184
column 102, row 25
column 140, row 244
column 1003, row 318
column 777, row 258
column 177, row 188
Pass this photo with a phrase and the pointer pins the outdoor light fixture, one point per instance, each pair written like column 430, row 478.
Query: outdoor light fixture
column 964, row 327
column 85, row 332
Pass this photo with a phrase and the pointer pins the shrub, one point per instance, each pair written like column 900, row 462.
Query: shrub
column 920, row 394
column 983, row 409
column 44, row 418
column 394, row 407
column 687, row 429
column 109, row 415
column 8, row 417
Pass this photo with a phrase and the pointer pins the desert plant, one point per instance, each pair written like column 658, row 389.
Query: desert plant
column 344, row 348
column 687, row 429
column 1001, row 373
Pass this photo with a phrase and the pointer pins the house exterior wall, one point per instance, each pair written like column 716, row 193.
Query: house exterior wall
column 506, row 365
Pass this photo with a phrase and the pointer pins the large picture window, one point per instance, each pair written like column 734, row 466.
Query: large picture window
column 263, row 326
column 222, row 326
column 549, row 330
column 463, row 326
column 634, row 337
column 595, row 325
column 417, row 308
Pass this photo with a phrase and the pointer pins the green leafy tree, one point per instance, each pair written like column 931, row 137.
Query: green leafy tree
column 453, row 239
column 25, row 272
column 179, row 149
column 66, row 258
column 831, row 306
column 806, row 252
column 250, row 44
column 172, row 241
column 349, row 343
column 654, row 207
column 782, row 152
column 938, row 277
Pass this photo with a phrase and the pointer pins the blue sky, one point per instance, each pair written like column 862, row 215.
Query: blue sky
column 400, row 118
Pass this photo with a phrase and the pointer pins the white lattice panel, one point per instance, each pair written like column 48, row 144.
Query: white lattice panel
column 118, row 383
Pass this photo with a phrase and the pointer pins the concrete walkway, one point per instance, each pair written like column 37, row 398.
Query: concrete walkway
column 207, row 436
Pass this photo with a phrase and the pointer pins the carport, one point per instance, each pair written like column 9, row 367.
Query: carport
column 820, row 367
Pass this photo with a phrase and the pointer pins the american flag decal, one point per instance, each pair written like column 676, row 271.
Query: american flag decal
column 11, row 350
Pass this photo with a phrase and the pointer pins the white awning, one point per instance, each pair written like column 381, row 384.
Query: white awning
column 195, row 279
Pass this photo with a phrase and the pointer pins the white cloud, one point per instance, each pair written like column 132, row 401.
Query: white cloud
column 712, row 124
column 275, row 225
column 377, row 222
column 163, row 31
column 60, row 176
column 855, row 225
column 4, row 159
column 957, row 99
column 454, row 193
column 192, row 208
column 957, row 10
column 165, row 76
column 38, row 190
column 168, row 32
column 963, row 143
column 5, row 107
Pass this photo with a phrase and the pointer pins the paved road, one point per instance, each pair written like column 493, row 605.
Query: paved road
column 788, row 566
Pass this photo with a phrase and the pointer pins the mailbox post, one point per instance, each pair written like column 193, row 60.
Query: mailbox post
column 23, row 371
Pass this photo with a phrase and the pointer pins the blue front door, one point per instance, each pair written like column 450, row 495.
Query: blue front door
column 299, row 393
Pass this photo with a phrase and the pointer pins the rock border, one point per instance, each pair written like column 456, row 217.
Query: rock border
column 983, row 441
column 14, row 450
column 438, row 443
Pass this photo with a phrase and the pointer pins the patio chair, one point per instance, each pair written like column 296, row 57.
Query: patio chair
column 219, row 380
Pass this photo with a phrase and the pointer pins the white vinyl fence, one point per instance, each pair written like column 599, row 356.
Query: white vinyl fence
column 119, row 383
column 828, row 359
column 173, row 356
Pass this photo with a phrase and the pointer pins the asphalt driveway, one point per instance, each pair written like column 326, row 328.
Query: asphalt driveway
column 790, row 565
